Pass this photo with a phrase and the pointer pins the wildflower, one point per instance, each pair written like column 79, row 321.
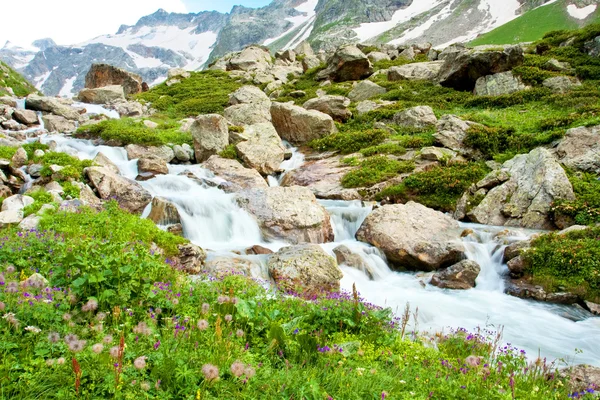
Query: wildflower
column 142, row 329
column 140, row 362
column 203, row 324
column 157, row 384
column 205, row 308
column 97, row 348
column 249, row 372
column 239, row 333
column 2, row 306
column 373, row 371
column 210, row 372
column 156, row 345
column 473, row 361
column 66, row 317
column 360, row 371
column 101, row 316
column 50, row 362
column 53, row 337
column 60, row 361
column 145, row 386
column 228, row 317
column 77, row 346
column 33, row 329
column 175, row 301
column 91, row 305
column 10, row 269
column 108, row 339
column 12, row 287
column 70, row 338
column 237, row 369
column 114, row 352
column 11, row 319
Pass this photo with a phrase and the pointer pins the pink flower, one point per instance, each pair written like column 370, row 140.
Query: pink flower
column 228, row 317
column 250, row 372
column 237, row 369
column 205, row 308
column 77, row 346
column 210, row 372
column 108, row 339
column 203, row 324
column 2, row 306
column 140, row 362
column 239, row 333
column 114, row 352
column 97, row 348
column 53, row 337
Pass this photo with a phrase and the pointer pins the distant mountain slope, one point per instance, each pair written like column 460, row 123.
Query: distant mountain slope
column 532, row 25
column 11, row 82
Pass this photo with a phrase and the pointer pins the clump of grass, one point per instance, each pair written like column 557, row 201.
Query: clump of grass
column 374, row 170
column 347, row 142
column 127, row 131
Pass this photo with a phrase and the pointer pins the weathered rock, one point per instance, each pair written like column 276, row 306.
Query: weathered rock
column 164, row 212
column 306, row 269
column 89, row 198
column 181, row 154
column 376, row 56
column 536, row 181
column 103, row 161
column 250, row 59
column 51, row 105
column 101, row 75
column 190, row 258
column 557, row 66
column 210, row 134
column 408, row 54
column 334, row 106
column 247, row 114
column 135, row 151
column 418, row 71
column 582, row 377
column 11, row 217
column 250, row 95
column 347, row 64
column 35, row 170
column 437, row 154
column 30, row 223
column 150, row 124
column 129, row 109
column 16, row 202
column 129, row 194
column 20, row 158
column 304, row 48
column 498, row 84
column 346, row 257
column 178, row 72
column 150, row 166
column 514, row 250
column 102, row 95
column 517, row 267
column 8, row 101
column 238, row 177
column 462, row 68
column 295, row 124
column 525, row 290
column 224, row 266
column 263, row 150
column 451, row 133
column 26, row 117
column 460, row 276
column 56, row 123
column 291, row 213
column 580, row 149
column 561, row 84
column 365, row 90
column 413, row 236
column 593, row 307
column 310, row 62
column 258, row 250
column 416, row 117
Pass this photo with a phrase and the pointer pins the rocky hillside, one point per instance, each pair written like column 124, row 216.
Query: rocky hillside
column 192, row 41
column 12, row 83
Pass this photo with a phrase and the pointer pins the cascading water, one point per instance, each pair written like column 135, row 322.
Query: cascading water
column 293, row 163
column 96, row 109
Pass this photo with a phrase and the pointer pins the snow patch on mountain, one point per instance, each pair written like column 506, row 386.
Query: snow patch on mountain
column 308, row 16
column 581, row 13
column 67, row 89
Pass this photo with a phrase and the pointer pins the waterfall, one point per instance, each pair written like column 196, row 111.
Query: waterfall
column 293, row 163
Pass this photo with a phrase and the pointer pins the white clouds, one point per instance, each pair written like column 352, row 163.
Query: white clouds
column 74, row 21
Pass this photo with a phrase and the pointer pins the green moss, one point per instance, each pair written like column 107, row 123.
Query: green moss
column 347, row 142
column 236, row 129
column 7, row 152
column 374, row 170
column 71, row 190
column 385, row 148
column 439, row 187
column 127, row 131
column 229, row 152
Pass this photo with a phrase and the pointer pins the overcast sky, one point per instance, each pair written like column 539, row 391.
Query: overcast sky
column 75, row 21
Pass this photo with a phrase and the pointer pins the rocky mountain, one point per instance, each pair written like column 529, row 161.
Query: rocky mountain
column 162, row 40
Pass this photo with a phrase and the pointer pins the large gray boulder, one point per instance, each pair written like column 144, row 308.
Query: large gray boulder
column 499, row 84
column 263, row 150
column 51, row 105
column 26, row 117
column 365, row 90
column 136, row 151
column 348, row 63
column 252, row 58
column 164, row 212
column 57, row 123
column 249, row 95
column 11, row 217
column 535, row 181
column 561, row 84
column 103, row 95
column 413, row 236
column 416, row 117
column 16, row 202
column 451, row 133
column 238, row 177
column 297, row 125
column 580, row 149
column 103, row 161
column 460, row 276
column 462, row 68
column 334, row 106
column 247, row 114
column 290, row 213
column 101, row 75
column 306, row 269
column 128, row 193
column 427, row 71
column 211, row 135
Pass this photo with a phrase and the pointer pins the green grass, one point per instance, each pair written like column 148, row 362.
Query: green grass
column 585, row 209
column 127, row 131
column 533, row 25
column 374, row 170
column 12, row 79
column 349, row 140
column 204, row 92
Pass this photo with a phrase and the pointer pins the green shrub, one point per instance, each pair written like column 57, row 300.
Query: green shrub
column 229, row 152
column 533, row 75
column 374, row 170
column 585, row 209
column 385, row 148
column 7, row 152
column 71, row 190
column 72, row 167
column 439, row 187
column 489, row 141
column 41, row 197
column 127, row 131
column 347, row 142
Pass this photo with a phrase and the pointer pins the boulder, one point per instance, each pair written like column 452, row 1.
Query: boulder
column 178, row 73
column 150, row 166
column 498, row 84
column 220, row 267
column 460, row 276
column 310, row 62
column 263, row 150
column 334, row 106
column 451, row 133
column 290, row 213
column 593, row 307
column 418, row 71
column 20, row 158
column 580, row 149
column 56, row 123
column 103, row 161
column 408, row 54
column 348, row 63
column 416, row 117
column 164, row 212
column 102, row 95
column 51, row 105
column 365, row 90
column 582, row 377
column 556, row 66
column 190, row 258
column 26, row 117
column 11, row 217
column 252, row 58
column 345, row 256
column 136, row 151
column 8, row 101
column 247, row 114
column 306, row 269
column 101, row 75
column 413, row 236
column 258, row 250
column 376, row 56
column 536, row 181
column 129, row 108
column 30, row 223
column 462, row 68
column 304, row 48
column 561, row 84
column 297, row 125
column 211, row 135
column 238, row 177
column 16, row 202
column 128, row 193
column 250, row 95
column 437, row 154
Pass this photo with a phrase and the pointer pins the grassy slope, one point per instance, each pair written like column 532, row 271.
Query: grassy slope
column 12, row 79
column 534, row 24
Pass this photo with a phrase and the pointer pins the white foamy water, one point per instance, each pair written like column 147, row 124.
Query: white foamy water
column 296, row 161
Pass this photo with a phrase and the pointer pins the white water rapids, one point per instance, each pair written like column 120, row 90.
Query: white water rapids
column 212, row 219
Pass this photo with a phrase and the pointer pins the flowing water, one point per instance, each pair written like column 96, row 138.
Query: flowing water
column 294, row 162
column 212, row 219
